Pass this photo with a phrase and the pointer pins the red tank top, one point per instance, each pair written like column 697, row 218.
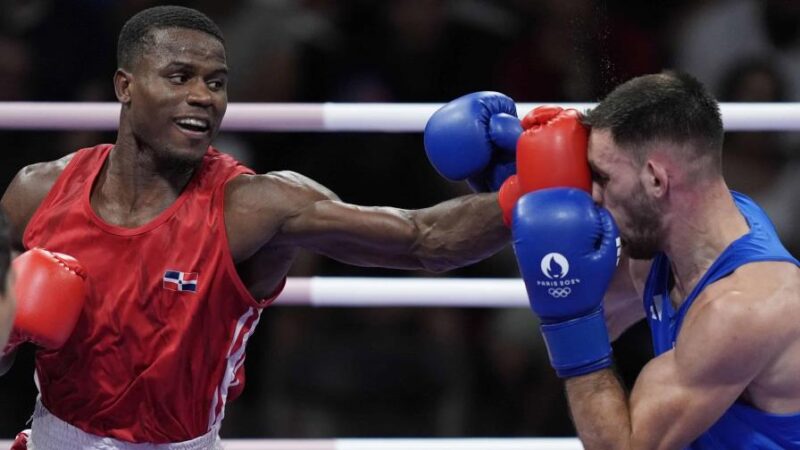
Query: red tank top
column 159, row 346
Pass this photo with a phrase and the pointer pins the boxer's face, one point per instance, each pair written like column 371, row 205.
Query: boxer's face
column 178, row 93
column 617, row 186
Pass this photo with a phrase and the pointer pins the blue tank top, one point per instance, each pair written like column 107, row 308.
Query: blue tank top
column 742, row 426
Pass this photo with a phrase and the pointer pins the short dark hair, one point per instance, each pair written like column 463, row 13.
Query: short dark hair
column 135, row 34
column 671, row 107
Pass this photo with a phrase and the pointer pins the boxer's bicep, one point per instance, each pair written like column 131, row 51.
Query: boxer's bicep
column 259, row 209
column 683, row 392
column 284, row 210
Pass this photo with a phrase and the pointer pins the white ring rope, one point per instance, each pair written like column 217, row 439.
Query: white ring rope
column 396, row 444
column 337, row 117
column 404, row 292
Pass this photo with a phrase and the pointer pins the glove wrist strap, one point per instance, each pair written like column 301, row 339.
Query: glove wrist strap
column 578, row 346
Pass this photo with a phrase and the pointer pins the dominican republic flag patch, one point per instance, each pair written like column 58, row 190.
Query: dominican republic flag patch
column 175, row 280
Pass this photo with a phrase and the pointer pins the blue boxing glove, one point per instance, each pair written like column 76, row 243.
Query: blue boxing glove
column 567, row 248
column 474, row 138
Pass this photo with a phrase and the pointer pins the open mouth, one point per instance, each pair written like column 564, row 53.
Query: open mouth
column 193, row 125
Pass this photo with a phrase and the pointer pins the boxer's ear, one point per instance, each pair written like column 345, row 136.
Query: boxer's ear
column 122, row 86
column 655, row 179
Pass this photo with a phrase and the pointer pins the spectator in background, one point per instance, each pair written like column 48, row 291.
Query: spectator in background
column 577, row 50
column 267, row 40
column 763, row 164
column 514, row 393
column 15, row 70
column 749, row 50
column 720, row 35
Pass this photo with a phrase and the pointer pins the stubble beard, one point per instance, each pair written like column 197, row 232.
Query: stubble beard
column 172, row 160
column 644, row 241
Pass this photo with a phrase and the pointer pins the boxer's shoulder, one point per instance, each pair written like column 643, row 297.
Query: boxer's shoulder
column 257, row 206
column 38, row 177
column 766, row 283
column 757, row 298
column 29, row 188
column 279, row 190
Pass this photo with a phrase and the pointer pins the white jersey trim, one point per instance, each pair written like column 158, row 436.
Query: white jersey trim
column 234, row 359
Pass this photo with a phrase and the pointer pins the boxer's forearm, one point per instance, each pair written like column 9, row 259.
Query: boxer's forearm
column 600, row 412
column 451, row 234
column 459, row 232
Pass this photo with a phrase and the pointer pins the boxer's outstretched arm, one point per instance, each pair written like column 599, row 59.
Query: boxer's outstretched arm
column 287, row 209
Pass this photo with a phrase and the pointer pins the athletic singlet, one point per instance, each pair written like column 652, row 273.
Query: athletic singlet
column 159, row 346
column 742, row 426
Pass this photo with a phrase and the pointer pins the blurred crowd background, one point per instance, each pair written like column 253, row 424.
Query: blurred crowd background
column 428, row 371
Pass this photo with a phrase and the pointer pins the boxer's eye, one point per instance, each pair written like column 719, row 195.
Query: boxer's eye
column 599, row 178
column 178, row 78
column 216, row 85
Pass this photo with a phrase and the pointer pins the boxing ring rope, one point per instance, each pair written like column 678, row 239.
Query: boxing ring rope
column 341, row 117
column 404, row 292
column 395, row 444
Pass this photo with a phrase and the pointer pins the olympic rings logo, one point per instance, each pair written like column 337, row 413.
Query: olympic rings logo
column 559, row 292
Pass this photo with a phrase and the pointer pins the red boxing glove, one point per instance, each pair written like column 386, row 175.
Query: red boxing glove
column 50, row 290
column 551, row 152
column 507, row 196
column 21, row 442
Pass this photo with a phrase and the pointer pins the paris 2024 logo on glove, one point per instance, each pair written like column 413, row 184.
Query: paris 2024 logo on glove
column 555, row 267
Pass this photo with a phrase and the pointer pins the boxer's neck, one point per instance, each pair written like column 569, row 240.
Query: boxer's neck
column 703, row 222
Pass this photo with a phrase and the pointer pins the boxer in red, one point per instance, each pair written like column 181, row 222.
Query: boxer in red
column 182, row 247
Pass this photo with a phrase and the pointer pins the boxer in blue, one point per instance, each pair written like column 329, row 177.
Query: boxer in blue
column 721, row 293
